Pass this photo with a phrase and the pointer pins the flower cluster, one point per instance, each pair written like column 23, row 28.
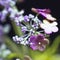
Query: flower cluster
column 34, row 30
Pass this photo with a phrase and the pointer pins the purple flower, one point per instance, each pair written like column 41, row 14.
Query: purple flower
column 3, row 15
column 45, row 13
column 26, row 18
column 38, row 42
column 24, row 29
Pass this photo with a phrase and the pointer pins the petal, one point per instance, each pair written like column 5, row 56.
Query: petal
column 54, row 24
column 45, row 13
column 32, row 39
column 42, row 48
column 34, row 47
column 46, row 41
column 55, row 29
column 48, row 16
column 43, row 26
column 39, row 38
column 40, row 10
column 48, row 31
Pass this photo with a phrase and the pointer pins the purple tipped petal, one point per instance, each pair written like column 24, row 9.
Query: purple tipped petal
column 44, row 10
column 45, row 13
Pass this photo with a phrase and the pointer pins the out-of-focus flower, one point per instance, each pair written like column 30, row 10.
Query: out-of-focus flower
column 3, row 30
column 45, row 13
column 7, row 3
column 4, row 51
column 3, row 15
column 38, row 42
column 6, row 28
column 14, row 13
column 17, row 16
column 49, row 27
column 19, row 19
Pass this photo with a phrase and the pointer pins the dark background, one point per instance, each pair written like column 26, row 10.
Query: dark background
column 51, row 4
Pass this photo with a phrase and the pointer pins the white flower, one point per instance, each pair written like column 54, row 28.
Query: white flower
column 49, row 27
